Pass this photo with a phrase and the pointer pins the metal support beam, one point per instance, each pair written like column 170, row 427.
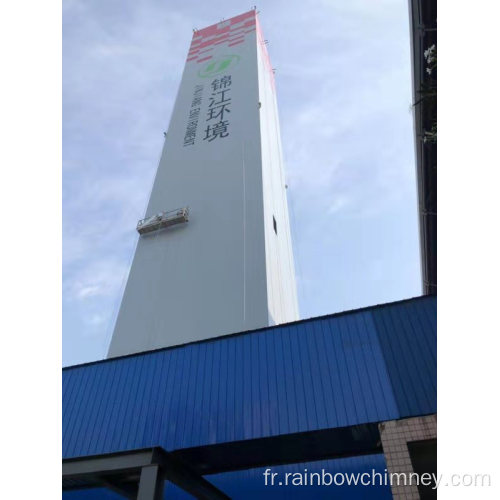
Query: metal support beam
column 151, row 483
column 150, row 468
column 183, row 476
column 107, row 464
column 325, row 444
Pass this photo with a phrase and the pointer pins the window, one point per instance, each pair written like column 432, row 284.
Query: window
column 275, row 226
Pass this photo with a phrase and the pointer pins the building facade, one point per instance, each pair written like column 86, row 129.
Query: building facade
column 349, row 392
column 227, row 266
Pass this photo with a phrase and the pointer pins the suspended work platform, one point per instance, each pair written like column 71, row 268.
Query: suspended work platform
column 163, row 220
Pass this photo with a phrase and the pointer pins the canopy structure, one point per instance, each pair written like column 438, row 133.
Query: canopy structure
column 300, row 393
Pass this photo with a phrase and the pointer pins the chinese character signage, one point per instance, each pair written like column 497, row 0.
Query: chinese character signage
column 194, row 114
column 219, row 108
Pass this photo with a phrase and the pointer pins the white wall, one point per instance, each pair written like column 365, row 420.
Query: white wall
column 208, row 277
column 281, row 286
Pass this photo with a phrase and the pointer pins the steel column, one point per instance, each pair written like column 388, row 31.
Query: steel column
column 151, row 483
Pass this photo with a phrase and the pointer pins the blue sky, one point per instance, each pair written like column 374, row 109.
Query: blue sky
column 344, row 96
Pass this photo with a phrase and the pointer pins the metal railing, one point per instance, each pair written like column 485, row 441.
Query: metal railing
column 162, row 220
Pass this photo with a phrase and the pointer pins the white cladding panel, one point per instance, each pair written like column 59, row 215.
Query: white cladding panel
column 208, row 277
column 281, row 286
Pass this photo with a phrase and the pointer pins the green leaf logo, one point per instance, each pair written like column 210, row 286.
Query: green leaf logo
column 219, row 65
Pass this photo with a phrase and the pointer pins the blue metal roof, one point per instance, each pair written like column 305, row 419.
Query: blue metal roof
column 363, row 366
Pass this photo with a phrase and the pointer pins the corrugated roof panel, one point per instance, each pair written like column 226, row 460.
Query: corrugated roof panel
column 407, row 336
column 364, row 366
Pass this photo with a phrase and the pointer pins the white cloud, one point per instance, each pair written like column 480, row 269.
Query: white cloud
column 104, row 277
column 96, row 319
column 338, row 204
column 83, row 291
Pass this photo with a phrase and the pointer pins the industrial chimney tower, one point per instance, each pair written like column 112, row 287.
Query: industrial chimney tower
column 214, row 254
